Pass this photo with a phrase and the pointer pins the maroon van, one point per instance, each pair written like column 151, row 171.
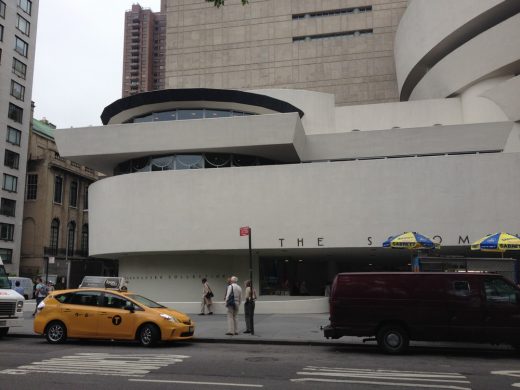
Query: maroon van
column 427, row 306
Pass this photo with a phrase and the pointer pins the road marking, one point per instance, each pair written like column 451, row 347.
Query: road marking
column 423, row 379
column 99, row 364
column 513, row 373
column 196, row 383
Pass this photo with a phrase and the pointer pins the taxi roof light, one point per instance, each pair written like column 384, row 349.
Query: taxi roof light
column 107, row 282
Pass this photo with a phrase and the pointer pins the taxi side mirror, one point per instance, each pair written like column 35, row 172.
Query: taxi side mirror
column 130, row 308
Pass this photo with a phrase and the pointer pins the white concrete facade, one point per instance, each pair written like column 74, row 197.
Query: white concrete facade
column 345, row 177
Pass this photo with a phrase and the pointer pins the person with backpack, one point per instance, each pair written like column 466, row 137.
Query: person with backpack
column 233, row 301
column 41, row 292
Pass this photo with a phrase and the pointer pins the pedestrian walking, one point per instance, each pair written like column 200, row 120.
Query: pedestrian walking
column 249, row 307
column 207, row 296
column 40, row 292
column 233, row 301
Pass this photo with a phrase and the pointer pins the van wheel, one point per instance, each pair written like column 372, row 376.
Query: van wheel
column 56, row 332
column 149, row 335
column 3, row 332
column 393, row 339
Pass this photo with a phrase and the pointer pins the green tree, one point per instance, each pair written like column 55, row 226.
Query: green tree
column 218, row 3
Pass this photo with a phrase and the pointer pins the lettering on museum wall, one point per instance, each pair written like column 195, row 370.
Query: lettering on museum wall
column 320, row 241
column 175, row 276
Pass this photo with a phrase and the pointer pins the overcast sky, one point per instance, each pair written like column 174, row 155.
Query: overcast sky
column 79, row 58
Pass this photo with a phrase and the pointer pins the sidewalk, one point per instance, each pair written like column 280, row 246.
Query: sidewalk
column 281, row 329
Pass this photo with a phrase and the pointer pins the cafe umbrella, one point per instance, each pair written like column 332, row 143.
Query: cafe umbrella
column 497, row 242
column 410, row 240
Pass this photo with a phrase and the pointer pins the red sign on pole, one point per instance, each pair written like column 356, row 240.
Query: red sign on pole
column 244, row 231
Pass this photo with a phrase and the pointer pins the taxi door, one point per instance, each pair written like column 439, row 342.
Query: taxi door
column 114, row 321
column 80, row 314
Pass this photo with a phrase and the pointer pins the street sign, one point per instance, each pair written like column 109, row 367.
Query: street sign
column 51, row 260
column 244, row 231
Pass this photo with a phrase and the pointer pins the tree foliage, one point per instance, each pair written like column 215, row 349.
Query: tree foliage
column 218, row 3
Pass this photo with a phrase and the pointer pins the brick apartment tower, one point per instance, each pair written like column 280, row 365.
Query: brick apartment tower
column 144, row 50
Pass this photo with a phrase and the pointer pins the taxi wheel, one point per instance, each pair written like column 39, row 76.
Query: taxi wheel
column 56, row 332
column 149, row 335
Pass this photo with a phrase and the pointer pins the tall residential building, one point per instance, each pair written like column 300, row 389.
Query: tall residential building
column 144, row 50
column 341, row 47
column 18, row 19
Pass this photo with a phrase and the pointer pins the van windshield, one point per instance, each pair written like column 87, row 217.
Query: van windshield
column 145, row 301
column 4, row 282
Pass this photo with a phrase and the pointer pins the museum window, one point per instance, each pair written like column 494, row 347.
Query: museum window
column 6, row 231
column 15, row 113
column 55, row 233
column 73, row 194
column 21, row 47
column 13, row 136
column 25, row 5
column 11, row 159
column 19, row 68
column 6, row 255
column 10, row 183
column 8, row 207
column 1, row 33
column 31, row 189
column 58, row 189
column 71, row 236
column 84, row 239
column 2, row 9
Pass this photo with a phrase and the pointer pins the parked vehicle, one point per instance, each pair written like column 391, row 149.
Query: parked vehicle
column 428, row 306
column 11, row 304
column 26, row 283
column 108, row 312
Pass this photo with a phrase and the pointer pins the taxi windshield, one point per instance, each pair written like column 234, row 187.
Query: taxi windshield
column 145, row 301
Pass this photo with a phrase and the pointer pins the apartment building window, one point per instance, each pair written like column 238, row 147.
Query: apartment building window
column 15, row 113
column 85, row 202
column 55, row 234
column 84, row 239
column 71, row 236
column 11, row 159
column 1, row 33
column 21, row 47
column 10, row 183
column 19, row 68
column 13, row 136
column 6, row 231
column 17, row 90
column 58, row 189
column 73, row 195
column 25, row 5
column 23, row 25
column 8, row 207
column 2, row 9
column 6, row 255
column 31, row 190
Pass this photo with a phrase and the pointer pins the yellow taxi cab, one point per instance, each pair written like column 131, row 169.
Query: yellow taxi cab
column 110, row 312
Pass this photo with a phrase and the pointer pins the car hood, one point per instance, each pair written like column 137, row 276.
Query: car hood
column 174, row 313
column 9, row 294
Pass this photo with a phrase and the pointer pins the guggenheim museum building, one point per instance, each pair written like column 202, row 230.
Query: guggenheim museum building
column 320, row 184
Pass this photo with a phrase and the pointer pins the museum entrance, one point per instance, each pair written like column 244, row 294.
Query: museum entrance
column 312, row 275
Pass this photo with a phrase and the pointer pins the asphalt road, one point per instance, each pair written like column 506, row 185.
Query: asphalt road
column 26, row 363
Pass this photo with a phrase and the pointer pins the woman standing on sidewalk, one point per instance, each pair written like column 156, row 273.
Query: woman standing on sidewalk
column 249, row 307
column 207, row 296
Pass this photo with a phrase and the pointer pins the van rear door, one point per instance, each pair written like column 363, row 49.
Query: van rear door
column 502, row 310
